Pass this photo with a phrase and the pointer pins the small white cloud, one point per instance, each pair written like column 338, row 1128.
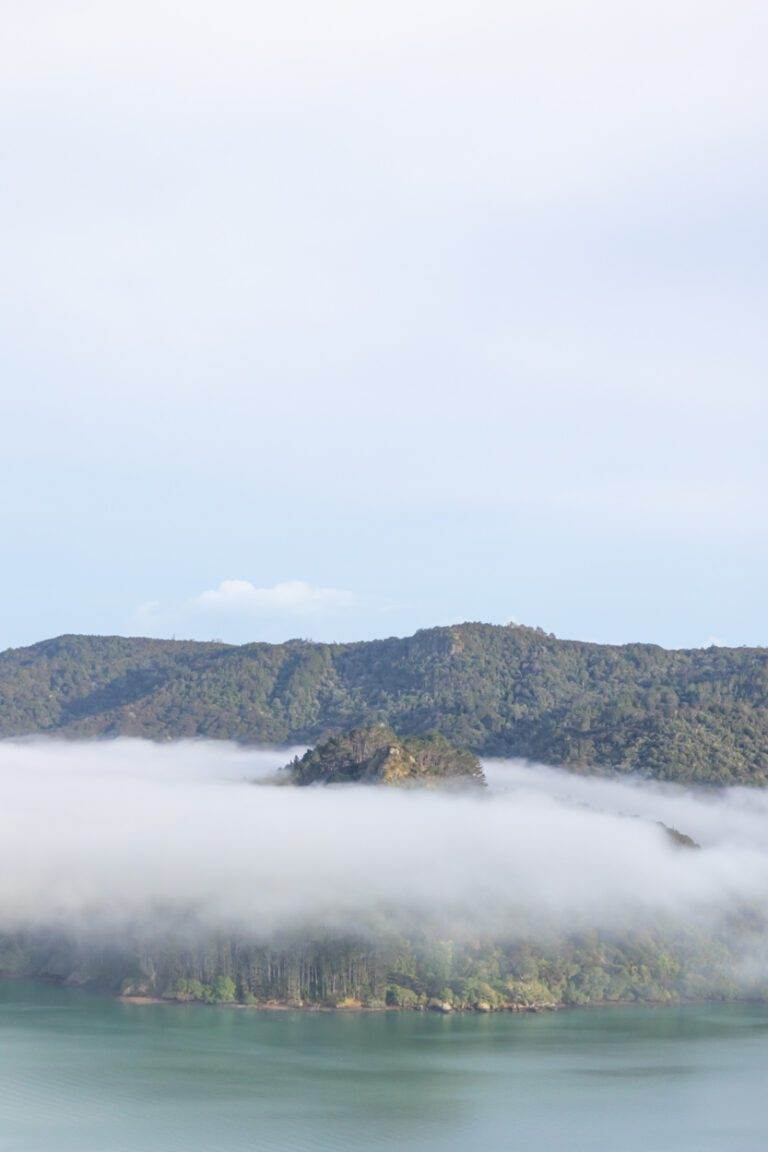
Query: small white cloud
column 290, row 598
column 714, row 642
column 237, row 610
column 147, row 611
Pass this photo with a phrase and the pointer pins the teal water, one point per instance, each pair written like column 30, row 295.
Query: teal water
column 82, row 1072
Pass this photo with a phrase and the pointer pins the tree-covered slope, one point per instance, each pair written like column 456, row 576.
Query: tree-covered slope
column 418, row 971
column 699, row 715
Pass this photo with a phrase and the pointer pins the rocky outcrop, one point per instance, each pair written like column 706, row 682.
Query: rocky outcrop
column 375, row 755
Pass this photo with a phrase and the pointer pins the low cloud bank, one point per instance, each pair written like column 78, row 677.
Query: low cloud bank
column 104, row 835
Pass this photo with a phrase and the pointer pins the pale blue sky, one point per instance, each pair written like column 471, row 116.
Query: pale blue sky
column 348, row 319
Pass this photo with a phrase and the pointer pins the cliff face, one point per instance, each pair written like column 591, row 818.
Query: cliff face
column 375, row 755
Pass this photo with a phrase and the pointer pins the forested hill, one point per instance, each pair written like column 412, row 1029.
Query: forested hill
column 697, row 715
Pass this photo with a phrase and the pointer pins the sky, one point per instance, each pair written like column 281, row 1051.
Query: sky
column 341, row 320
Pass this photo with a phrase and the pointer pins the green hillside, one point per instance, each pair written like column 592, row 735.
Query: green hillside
column 700, row 714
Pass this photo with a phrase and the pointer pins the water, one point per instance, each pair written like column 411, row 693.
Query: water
column 83, row 1072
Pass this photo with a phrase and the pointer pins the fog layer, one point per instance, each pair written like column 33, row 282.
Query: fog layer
column 107, row 834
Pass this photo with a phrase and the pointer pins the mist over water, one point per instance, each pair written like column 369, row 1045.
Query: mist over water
column 98, row 836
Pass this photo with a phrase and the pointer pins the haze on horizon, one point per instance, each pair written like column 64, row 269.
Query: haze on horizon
column 343, row 322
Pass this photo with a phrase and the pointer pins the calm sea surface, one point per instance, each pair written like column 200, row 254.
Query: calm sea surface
column 81, row 1071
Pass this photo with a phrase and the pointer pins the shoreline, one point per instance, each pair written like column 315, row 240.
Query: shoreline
column 436, row 1009
column 351, row 1009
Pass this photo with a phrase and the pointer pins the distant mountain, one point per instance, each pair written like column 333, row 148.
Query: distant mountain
column 697, row 715
column 375, row 755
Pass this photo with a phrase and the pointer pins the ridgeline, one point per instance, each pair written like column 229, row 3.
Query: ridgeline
column 689, row 715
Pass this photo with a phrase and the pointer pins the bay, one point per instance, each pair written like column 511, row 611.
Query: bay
column 81, row 1072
